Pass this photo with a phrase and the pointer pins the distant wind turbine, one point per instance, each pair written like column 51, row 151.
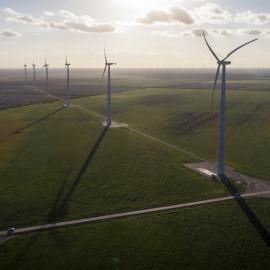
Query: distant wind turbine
column 25, row 75
column 34, row 68
column 47, row 77
column 109, row 106
column 68, row 89
column 222, row 113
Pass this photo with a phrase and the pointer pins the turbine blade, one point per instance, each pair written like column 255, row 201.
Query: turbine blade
column 238, row 48
column 105, row 56
column 210, row 48
column 103, row 73
column 217, row 73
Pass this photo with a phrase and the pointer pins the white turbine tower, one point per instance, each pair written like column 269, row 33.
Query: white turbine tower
column 47, row 77
column 222, row 113
column 25, row 75
column 109, row 106
column 34, row 68
column 68, row 89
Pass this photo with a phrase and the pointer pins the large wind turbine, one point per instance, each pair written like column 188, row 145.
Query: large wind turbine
column 68, row 90
column 47, row 78
column 109, row 106
column 25, row 75
column 222, row 113
column 34, row 67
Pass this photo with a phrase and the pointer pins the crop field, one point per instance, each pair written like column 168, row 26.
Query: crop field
column 87, row 82
column 58, row 163
column 182, row 117
column 215, row 236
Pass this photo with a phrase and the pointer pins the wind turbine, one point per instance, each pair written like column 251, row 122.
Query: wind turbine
column 68, row 89
column 222, row 113
column 47, row 78
column 34, row 67
column 25, row 75
column 109, row 106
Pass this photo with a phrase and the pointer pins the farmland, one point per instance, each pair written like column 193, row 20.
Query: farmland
column 58, row 163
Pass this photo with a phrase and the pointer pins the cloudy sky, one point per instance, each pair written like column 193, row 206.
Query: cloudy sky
column 138, row 33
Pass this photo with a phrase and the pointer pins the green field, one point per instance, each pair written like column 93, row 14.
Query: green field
column 183, row 118
column 59, row 163
column 215, row 236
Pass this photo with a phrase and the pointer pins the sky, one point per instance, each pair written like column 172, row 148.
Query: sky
column 136, row 33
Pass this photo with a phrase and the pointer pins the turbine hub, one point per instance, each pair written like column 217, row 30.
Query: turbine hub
column 224, row 62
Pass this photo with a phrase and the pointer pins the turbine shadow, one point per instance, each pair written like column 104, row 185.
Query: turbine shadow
column 246, row 209
column 61, row 211
column 19, row 130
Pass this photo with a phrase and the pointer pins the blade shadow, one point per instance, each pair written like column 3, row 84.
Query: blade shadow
column 247, row 211
column 61, row 211
column 19, row 130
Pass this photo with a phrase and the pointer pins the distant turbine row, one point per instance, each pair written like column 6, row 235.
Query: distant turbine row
column 46, row 65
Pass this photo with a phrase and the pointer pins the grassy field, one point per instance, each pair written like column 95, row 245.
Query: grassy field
column 58, row 164
column 183, row 118
column 225, row 235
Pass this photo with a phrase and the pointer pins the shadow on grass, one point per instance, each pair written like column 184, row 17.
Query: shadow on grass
column 61, row 211
column 19, row 130
column 246, row 209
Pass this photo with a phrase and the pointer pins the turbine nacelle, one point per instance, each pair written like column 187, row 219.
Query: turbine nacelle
column 106, row 64
column 224, row 63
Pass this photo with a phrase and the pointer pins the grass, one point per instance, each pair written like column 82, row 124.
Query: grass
column 183, row 118
column 214, row 236
column 58, row 164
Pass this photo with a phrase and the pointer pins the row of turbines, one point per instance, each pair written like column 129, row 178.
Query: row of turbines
column 46, row 66
column 222, row 114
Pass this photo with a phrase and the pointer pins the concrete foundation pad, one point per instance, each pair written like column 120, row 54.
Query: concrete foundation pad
column 253, row 184
column 114, row 124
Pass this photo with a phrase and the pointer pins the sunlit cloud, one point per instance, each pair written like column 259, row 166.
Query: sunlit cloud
column 196, row 32
column 253, row 18
column 174, row 14
column 250, row 32
column 49, row 14
column 9, row 34
column 213, row 13
column 70, row 22
column 9, row 11
column 164, row 34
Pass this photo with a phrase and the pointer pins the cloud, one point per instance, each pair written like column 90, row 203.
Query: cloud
column 69, row 22
column 198, row 32
column 49, row 14
column 194, row 33
column 251, row 32
column 173, row 14
column 67, row 14
column 212, row 13
column 164, row 34
column 9, row 11
column 253, row 18
column 9, row 34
